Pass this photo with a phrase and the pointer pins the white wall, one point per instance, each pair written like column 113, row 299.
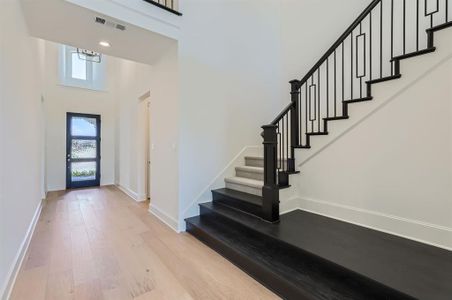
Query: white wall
column 62, row 99
column 132, row 81
column 20, row 136
column 165, row 130
column 230, row 68
column 308, row 29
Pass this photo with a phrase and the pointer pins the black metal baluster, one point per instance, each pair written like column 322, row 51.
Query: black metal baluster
column 417, row 25
column 318, row 100
column 335, row 86
column 381, row 39
column 287, row 143
column 370, row 49
column 392, row 36
column 284, row 143
column 280, row 142
column 306, row 111
column 343, row 74
column 357, row 63
column 447, row 10
column 310, row 104
column 327, row 87
column 404, row 26
column 351, row 69
column 431, row 20
column 300, row 120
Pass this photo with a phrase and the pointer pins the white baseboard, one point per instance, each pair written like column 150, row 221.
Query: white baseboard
column 131, row 194
column 6, row 290
column 431, row 234
column 141, row 198
column 164, row 217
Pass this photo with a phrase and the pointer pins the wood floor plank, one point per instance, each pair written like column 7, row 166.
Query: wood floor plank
column 100, row 244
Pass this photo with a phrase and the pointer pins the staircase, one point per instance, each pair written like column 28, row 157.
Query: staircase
column 300, row 255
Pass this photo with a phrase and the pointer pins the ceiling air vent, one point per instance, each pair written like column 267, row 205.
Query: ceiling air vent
column 120, row 27
column 100, row 20
column 111, row 24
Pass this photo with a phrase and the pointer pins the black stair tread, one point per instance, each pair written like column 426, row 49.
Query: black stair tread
column 440, row 27
column 291, row 172
column 413, row 54
column 317, row 133
column 337, row 118
column 427, row 270
column 312, row 277
column 358, row 100
column 245, row 197
column 282, row 187
column 302, row 147
column 387, row 78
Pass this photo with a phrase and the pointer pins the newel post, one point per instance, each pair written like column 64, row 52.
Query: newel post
column 294, row 122
column 270, row 190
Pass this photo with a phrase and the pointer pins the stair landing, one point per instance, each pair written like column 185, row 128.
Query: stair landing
column 309, row 243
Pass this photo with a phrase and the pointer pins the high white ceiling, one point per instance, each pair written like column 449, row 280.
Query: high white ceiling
column 66, row 23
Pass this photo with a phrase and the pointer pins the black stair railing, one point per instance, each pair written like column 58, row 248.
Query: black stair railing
column 368, row 52
column 168, row 5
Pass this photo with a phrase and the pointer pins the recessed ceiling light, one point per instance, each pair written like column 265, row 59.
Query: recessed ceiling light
column 104, row 44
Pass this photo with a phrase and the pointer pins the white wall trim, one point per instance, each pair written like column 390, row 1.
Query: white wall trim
column 419, row 231
column 131, row 194
column 164, row 217
column 18, row 260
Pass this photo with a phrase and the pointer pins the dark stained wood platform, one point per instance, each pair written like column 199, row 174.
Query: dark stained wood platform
column 325, row 258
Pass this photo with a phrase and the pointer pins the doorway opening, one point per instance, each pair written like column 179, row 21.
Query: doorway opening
column 145, row 159
column 82, row 150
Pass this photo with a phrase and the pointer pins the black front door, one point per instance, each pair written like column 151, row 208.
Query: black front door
column 82, row 150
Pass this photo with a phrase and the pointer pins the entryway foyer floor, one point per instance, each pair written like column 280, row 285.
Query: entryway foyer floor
column 100, row 244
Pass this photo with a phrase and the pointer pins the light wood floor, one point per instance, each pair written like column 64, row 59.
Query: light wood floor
column 99, row 244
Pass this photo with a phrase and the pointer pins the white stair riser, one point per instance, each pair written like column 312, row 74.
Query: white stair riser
column 244, row 188
column 259, row 162
column 254, row 162
column 250, row 175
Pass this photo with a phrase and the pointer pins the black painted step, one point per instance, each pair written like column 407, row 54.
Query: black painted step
column 415, row 53
column 374, row 255
column 316, row 133
column 283, row 187
column 357, row 100
column 291, row 172
column 440, row 27
column 238, row 200
column 336, row 118
column 383, row 79
column 288, row 272
column 326, row 120
column 302, row 147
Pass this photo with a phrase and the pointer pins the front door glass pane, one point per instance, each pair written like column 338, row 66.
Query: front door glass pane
column 84, row 149
column 83, row 171
column 83, row 126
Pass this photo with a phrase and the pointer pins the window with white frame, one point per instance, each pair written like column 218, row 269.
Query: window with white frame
column 76, row 70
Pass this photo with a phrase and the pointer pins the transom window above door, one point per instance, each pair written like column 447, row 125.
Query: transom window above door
column 78, row 70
